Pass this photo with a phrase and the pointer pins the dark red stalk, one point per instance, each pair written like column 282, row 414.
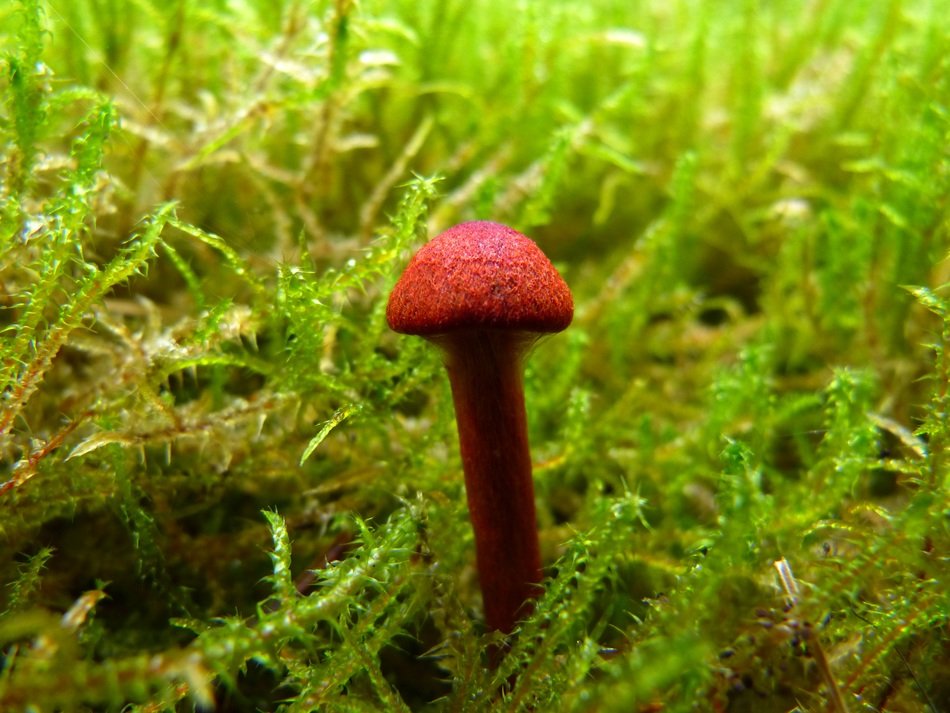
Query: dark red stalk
column 485, row 371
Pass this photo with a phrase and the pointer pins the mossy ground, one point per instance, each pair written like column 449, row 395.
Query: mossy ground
column 226, row 482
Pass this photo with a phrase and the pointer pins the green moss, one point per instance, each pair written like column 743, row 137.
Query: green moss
column 226, row 482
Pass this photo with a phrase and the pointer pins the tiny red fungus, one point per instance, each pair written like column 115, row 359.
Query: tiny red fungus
column 484, row 293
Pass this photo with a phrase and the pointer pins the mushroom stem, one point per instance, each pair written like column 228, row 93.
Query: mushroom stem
column 485, row 371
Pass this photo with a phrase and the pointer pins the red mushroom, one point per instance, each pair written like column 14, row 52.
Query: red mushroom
column 484, row 293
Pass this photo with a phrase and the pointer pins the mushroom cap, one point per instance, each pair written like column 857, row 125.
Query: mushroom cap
column 479, row 275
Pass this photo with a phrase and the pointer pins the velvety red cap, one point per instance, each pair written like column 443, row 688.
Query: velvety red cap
column 479, row 275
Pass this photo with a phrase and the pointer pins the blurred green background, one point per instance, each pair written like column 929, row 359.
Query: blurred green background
column 203, row 206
